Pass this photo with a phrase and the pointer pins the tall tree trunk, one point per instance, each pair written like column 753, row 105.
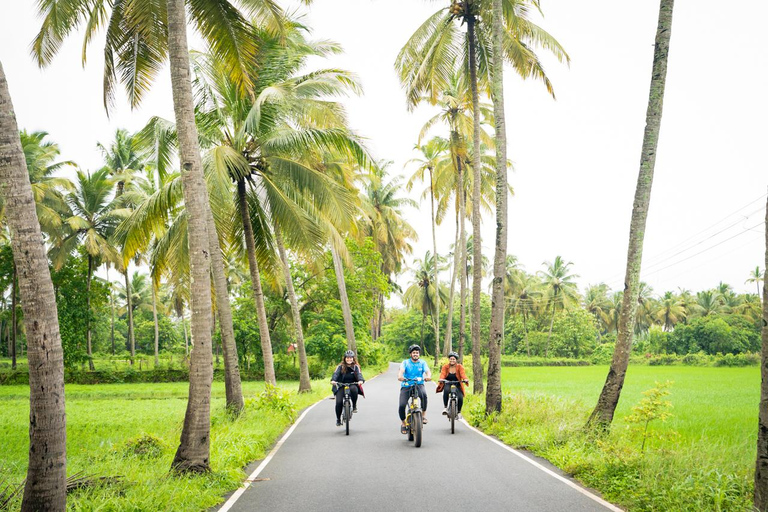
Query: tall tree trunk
column 129, row 311
column 304, row 383
column 462, row 272
column 477, row 260
column 186, row 340
column 493, row 396
column 45, row 487
column 14, row 320
column 602, row 416
column 437, row 280
column 525, row 330
column 233, row 388
column 551, row 324
column 448, row 344
column 88, row 348
column 193, row 453
column 112, row 304
column 381, row 315
column 345, row 309
column 421, row 341
column 761, row 464
column 258, row 294
column 157, row 331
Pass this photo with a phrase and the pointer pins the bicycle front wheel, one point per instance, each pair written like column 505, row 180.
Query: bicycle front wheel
column 452, row 414
column 417, row 428
column 347, row 416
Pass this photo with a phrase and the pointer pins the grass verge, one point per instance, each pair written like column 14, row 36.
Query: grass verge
column 701, row 458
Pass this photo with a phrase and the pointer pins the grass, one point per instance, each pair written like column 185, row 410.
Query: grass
column 104, row 420
column 702, row 458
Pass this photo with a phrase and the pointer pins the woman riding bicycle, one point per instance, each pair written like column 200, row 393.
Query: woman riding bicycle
column 453, row 371
column 348, row 372
column 413, row 369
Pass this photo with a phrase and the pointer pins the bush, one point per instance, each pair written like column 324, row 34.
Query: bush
column 276, row 400
column 145, row 446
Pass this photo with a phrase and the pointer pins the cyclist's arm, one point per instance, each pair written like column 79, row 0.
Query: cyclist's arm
column 401, row 373
column 427, row 373
column 359, row 374
column 336, row 375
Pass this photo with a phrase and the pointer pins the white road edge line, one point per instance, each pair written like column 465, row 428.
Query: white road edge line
column 566, row 481
column 232, row 499
column 248, row 481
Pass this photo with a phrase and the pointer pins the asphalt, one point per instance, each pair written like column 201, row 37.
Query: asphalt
column 376, row 468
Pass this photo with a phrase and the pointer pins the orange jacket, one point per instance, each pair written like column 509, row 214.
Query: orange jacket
column 460, row 374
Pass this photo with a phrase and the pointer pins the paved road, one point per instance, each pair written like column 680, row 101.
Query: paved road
column 375, row 468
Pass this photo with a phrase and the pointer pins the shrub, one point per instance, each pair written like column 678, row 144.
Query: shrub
column 145, row 446
column 276, row 400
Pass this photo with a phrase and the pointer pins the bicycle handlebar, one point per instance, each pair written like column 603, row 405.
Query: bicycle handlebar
column 446, row 381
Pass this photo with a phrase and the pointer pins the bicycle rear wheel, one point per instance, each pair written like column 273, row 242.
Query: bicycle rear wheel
column 452, row 413
column 417, row 428
column 347, row 416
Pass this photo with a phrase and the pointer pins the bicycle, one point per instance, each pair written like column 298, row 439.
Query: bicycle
column 453, row 403
column 414, row 416
column 346, row 410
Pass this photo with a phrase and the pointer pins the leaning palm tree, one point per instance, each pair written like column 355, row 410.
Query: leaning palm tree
column 91, row 221
column 602, row 416
column 45, row 487
column 140, row 36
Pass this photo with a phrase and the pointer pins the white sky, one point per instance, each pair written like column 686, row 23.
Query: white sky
column 576, row 158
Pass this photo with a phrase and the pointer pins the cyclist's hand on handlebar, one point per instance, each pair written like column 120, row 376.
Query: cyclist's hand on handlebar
column 333, row 382
column 427, row 378
column 401, row 379
column 359, row 383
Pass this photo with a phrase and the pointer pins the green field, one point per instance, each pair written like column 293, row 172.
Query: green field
column 701, row 458
column 102, row 419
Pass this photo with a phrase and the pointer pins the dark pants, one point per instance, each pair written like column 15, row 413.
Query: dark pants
column 405, row 393
column 340, row 399
column 447, row 395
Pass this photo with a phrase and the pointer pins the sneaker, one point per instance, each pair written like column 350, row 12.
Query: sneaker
column 354, row 410
column 459, row 417
column 338, row 423
column 445, row 412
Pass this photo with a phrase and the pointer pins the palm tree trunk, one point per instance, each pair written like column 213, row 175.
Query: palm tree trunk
column 88, row 348
column 258, row 294
column 493, row 396
column 14, row 321
column 129, row 311
column 233, row 388
column 112, row 304
column 157, row 331
column 761, row 464
column 525, row 330
column 45, row 487
column 477, row 276
column 602, row 416
column 448, row 344
column 193, row 453
column 423, row 317
column 345, row 309
column 549, row 336
column 304, row 383
column 186, row 340
column 437, row 281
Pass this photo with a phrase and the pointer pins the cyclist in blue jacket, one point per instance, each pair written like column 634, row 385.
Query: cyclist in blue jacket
column 413, row 368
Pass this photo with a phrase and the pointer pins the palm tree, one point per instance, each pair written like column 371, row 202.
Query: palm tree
column 560, row 289
column 761, row 462
column 671, row 311
column 45, row 487
column 596, row 301
column 602, row 416
column 709, row 302
column 382, row 220
column 756, row 276
column 140, row 36
column 524, row 294
column 433, row 153
column 425, row 293
column 91, row 221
